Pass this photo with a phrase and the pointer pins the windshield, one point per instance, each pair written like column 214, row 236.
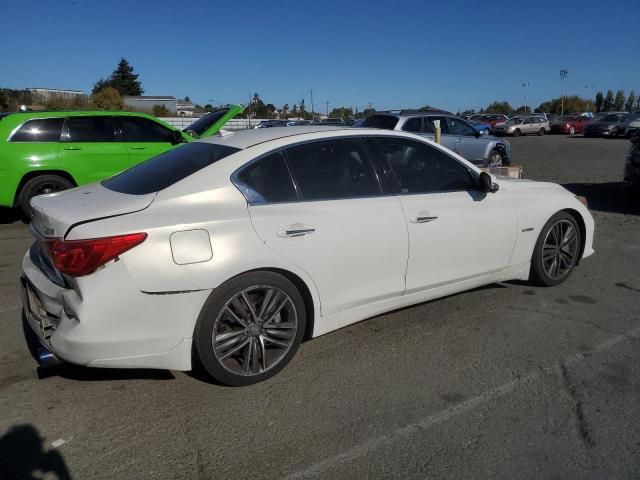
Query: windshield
column 609, row 118
column 167, row 168
column 388, row 122
column 203, row 123
column 568, row 118
column 514, row 121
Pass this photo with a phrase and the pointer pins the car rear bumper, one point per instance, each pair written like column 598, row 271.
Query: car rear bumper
column 110, row 324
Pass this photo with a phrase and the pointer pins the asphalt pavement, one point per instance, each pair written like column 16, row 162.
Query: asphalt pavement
column 506, row 381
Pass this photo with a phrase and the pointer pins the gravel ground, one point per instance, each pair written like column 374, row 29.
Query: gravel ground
column 507, row 381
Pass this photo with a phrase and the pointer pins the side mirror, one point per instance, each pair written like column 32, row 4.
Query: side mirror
column 176, row 137
column 485, row 184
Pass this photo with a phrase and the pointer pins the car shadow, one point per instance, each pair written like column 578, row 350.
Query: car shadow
column 86, row 374
column 606, row 197
column 23, row 455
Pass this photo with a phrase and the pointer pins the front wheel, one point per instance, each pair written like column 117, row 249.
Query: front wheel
column 249, row 328
column 496, row 158
column 517, row 132
column 556, row 251
column 541, row 132
column 40, row 185
column 572, row 130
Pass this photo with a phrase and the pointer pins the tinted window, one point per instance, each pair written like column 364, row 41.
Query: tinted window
column 459, row 127
column 90, row 129
column 167, row 168
column 204, row 123
column 144, row 130
column 420, row 168
column 42, row 130
column 413, row 125
column 388, row 122
column 332, row 169
column 429, row 126
column 268, row 177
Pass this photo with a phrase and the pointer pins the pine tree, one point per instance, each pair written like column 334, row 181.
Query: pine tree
column 631, row 101
column 608, row 101
column 599, row 101
column 618, row 103
column 125, row 81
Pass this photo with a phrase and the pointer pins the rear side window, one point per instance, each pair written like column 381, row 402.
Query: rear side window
column 332, row 169
column 268, row 181
column 430, row 127
column 413, row 125
column 90, row 129
column 41, row 130
column 144, row 130
column 387, row 122
column 167, row 168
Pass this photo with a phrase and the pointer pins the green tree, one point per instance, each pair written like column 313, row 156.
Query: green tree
column 187, row 99
column 122, row 79
column 285, row 110
column 608, row 101
column 107, row 98
column 631, row 101
column 208, row 107
column 502, row 108
column 342, row 112
column 599, row 101
column 618, row 102
column 301, row 108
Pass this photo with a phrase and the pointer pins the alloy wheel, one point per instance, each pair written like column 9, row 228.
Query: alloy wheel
column 495, row 159
column 255, row 330
column 49, row 187
column 560, row 249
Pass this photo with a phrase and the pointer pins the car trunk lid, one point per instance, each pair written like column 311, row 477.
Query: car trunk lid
column 54, row 215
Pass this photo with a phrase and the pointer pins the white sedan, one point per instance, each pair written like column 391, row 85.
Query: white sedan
column 229, row 251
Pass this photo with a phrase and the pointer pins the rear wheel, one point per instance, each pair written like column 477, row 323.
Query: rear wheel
column 40, row 185
column 556, row 251
column 541, row 132
column 517, row 132
column 249, row 328
column 572, row 130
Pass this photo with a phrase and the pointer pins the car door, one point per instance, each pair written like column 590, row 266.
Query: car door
column 455, row 231
column 144, row 138
column 467, row 144
column 90, row 149
column 331, row 219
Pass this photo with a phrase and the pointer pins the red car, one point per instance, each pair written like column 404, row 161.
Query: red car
column 489, row 119
column 570, row 124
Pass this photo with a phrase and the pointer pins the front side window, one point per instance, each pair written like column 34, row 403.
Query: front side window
column 40, row 130
column 332, row 169
column 267, row 181
column 137, row 129
column 458, row 126
column 420, row 168
column 90, row 129
column 167, row 168
column 387, row 122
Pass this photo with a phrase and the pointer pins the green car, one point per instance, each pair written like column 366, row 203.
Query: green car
column 44, row 152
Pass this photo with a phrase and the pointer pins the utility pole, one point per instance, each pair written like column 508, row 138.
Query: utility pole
column 589, row 94
column 249, row 111
column 327, row 102
column 525, row 85
column 311, row 92
column 563, row 77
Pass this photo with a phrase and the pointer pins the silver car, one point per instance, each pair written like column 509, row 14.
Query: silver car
column 458, row 134
column 516, row 126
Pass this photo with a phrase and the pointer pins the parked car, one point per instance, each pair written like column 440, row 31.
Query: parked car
column 607, row 125
column 516, row 126
column 271, row 123
column 329, row 121
column 490, row 119
column 483, row 128
column 458, row 135
column 44, row 152
column 632, row 165
column 570, row 124
column 633, row 125
column 297, row 123
column 232, row 249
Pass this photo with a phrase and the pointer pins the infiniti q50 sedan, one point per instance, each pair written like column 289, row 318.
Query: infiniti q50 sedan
column 230, row 250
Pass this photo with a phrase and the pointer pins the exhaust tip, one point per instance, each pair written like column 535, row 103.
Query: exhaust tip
column 46, row 359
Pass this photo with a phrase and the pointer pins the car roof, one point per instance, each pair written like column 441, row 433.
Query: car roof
column 248, row 138
column 74, row 113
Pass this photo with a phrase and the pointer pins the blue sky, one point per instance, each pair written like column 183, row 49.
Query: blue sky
column 394, row 54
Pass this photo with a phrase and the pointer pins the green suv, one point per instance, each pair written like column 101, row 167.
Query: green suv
column 45, row 152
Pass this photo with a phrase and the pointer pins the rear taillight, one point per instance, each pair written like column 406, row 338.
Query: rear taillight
column 80, row 257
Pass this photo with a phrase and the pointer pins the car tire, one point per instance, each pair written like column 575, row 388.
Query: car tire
column 541, row 132
column 247, row 334
column 517, row 132
column 40, row 185
column 572, row 130
column 496, row 158
column 556, row 252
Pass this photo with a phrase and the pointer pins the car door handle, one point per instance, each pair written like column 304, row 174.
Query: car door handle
column 296, row 230
column 138, row 148
column 423, row 219
column 72, row 148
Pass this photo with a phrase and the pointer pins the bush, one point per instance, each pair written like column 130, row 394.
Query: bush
column 107, row 99
column 160, row 111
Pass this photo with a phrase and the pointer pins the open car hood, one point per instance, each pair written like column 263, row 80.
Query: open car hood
column 55, row 214
column 212, row 122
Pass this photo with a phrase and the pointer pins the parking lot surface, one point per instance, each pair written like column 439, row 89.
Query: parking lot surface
column 507, row 381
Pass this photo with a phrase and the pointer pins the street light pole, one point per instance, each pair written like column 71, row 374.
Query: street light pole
column 525, row 85
column 563, row 76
